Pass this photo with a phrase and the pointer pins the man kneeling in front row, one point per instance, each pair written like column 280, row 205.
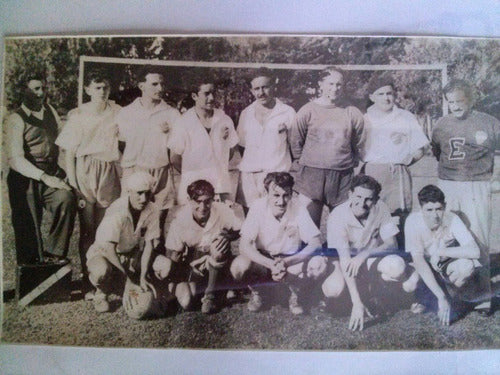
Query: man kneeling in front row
column 363, row 232
column 445, row 254
column 198, row 247
column 129, row 221
column 272, row 239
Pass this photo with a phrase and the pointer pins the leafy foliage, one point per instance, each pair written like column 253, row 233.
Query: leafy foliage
column 476, row 60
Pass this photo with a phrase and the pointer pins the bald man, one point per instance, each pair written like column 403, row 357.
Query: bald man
column 130, row 221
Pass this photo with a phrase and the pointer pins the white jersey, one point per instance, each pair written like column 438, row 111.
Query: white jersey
column 392, row 137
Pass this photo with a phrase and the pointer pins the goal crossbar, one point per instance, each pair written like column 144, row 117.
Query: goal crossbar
column 441, row 67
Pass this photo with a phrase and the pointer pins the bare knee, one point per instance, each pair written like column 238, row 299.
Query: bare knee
column 317, row 267
column 98, row 268
column 391, row 268
column 239, row 267
column 183, row 295
column 459, row 271
column 162, row 267
column 334, row 284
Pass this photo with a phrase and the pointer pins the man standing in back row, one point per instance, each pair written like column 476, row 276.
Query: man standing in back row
column 144, row 126
column 326, row 139
column 264, row 128
column 464, row 142
column 394, row 141
column 202, row 142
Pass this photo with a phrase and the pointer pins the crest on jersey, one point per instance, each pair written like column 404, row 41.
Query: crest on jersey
column 481, row 137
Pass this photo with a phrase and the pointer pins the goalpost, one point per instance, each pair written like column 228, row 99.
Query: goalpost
column 440, row 67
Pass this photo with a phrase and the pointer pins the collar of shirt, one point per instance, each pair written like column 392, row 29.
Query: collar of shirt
column 213, row 219
column 122, row 206
column 287, row 216
column 29, row 112
column 443, row 229
column 278, row 109
column 217, row 116
column 353, row 221
column 161, row 106
column 380, row 117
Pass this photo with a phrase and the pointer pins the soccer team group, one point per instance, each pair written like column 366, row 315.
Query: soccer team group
column 118, row 177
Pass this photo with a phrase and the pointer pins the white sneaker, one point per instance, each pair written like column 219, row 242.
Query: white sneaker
column 417, row 308
column 231, row 294
column 293, row 304
column 255, row 302
column 101, row 303
column 89, row 296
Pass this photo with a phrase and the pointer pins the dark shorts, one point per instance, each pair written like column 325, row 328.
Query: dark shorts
column 325, row 185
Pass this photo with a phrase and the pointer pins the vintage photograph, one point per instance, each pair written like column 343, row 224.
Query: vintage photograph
column 251, row 192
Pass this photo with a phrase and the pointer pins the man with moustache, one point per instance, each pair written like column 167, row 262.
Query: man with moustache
column 35, row 180
column 464, row 142
column 202, row 142
column 144, row 127
column 263, row 129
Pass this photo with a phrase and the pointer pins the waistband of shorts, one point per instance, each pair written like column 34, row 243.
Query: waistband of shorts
column 271, row 256
column 339, row 170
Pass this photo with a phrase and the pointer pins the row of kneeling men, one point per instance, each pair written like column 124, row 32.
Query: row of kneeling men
column 279, row 243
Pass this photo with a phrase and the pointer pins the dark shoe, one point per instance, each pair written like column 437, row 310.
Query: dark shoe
column 49, row 258
column 485, row 312
column 484, row 309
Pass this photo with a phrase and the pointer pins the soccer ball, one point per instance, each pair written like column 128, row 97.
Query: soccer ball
column 136, row 302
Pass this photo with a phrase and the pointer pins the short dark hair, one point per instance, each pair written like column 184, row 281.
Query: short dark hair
column 367, row 182
column 187, row 102
column 328, row 71
column 380, row 80
column 431, row 193
column 194, row 88
column 261, row 72
column 148, row 69
column 97, row 76
column 282, row 179
column 461, row 85
column 200, row 187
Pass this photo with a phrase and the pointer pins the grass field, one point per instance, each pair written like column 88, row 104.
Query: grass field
column 77, row 323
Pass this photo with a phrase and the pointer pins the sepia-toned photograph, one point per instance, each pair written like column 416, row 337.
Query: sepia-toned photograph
column 251, row 192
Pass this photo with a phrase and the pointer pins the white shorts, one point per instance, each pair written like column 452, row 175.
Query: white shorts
column 473, row 200
column 98, row 180
column 251, row 187
column 163, row 188
column 395, row 180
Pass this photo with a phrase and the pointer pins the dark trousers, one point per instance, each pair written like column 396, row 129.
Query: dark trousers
column 28, row 198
